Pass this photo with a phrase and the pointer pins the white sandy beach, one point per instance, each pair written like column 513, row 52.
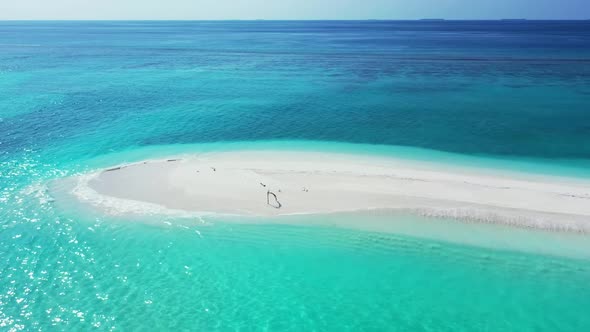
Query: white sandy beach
column 310, row 183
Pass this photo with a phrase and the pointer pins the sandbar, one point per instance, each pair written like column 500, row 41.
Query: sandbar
column 276, row 183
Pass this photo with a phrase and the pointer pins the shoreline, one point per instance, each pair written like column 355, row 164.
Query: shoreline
column 533, row 167
column 237, row 182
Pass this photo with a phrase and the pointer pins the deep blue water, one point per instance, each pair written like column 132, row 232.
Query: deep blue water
column 497, row 88
column 81, row 95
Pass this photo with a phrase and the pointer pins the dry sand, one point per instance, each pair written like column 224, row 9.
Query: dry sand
column 310, row 183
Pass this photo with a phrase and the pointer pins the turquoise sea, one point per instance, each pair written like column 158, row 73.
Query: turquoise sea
column 510, row 96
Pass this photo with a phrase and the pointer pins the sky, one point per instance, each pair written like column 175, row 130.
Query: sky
column 291, row 9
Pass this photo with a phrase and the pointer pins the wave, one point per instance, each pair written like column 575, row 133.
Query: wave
column 120, row 206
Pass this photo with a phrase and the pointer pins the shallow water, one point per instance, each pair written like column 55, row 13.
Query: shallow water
column 75, row 96
column 278, row 277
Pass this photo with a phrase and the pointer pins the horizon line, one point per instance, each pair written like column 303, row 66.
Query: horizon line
column 303, row 20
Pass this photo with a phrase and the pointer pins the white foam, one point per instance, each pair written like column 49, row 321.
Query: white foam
column 120, row 206
column 544, row 221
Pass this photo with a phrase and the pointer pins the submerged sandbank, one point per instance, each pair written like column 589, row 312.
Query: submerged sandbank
column 273, row 183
